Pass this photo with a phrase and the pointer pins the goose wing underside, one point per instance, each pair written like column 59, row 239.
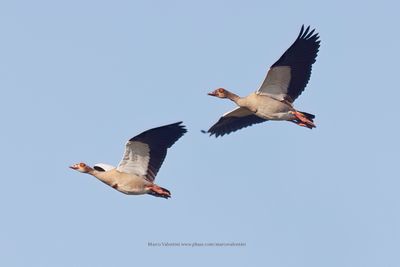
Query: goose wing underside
column 234, row 120
column 145, row 153
column 288, row 77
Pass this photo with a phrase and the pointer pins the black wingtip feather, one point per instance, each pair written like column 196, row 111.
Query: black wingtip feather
column 307, row 34
column 174, row 130
column 310, row 34
column 301, row 31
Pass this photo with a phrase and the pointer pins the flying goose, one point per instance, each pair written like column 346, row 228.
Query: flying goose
column 142, row 159
column 285, row 81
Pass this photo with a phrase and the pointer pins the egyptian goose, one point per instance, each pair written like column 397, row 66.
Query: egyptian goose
column 142, row 159
column 285, row 81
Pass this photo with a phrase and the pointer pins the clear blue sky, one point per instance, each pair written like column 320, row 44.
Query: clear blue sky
column 79, row 78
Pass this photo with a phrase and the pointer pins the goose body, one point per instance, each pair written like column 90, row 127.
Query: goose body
column 143, row 157
column 285, row 81
column 127, row 183
column 266, row 107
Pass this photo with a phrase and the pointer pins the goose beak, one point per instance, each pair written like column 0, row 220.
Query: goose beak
column 212, row 93
column 73, row 167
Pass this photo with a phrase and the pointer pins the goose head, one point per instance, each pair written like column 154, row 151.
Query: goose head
column 81, row 167
column 220, row 92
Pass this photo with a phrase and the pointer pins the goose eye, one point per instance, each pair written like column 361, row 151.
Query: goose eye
column 82, row 165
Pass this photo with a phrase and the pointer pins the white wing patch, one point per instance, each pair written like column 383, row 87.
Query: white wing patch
column 136, row 158
column 105, row 167
column 276, row 83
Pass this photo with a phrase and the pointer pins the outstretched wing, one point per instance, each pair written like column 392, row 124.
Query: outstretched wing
column 234, row 120
column 145, row 152
column 288, row 76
